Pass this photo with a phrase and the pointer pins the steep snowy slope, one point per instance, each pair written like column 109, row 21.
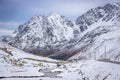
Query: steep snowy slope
column 44, row 35
column 14, row 62
column 59, row 38
column 9, row 54
column 107, row 13
column 99, row 37
column 102, row 42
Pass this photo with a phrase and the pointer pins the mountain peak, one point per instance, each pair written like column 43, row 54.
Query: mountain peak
column 36, row 17
column 112, row 5
column 41, row 34
column 53, row 14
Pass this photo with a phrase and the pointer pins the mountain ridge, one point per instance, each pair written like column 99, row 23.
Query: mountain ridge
column 91, row 34
column 58, row 37
column 44, row 34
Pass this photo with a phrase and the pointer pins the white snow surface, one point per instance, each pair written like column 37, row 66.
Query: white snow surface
column 101, row 42
column 42, row 31
column 41, row 68
column 101, row 39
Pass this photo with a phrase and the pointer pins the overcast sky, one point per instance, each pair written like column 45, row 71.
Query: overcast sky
column 16, row 12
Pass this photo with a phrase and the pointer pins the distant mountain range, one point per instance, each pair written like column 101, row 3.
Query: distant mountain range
column 95, row 34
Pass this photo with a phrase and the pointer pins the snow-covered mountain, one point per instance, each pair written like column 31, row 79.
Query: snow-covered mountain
column 99, row 37
column 44, row 35
column 94, row 35
column 60, row 38
column 100, row 43
column 109, row 12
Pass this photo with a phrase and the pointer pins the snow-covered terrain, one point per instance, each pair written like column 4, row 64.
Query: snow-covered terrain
column 44, row 35
column 99, row 37
column 102, row 42
column 18, row 65
column 60, row 38
column 14, row 62
column 90, row 46
column 109, row 12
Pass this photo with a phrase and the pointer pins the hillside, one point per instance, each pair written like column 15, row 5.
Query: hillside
column 16, row 64
column 99, row 37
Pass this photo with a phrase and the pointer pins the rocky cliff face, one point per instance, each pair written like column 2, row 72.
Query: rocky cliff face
column 59, row 38
column 99, row 37
column 109, row 12
column 100, row 43
column 44, row 35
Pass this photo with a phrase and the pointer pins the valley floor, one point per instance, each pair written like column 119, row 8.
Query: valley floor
column 76, row 70
column 19, row 65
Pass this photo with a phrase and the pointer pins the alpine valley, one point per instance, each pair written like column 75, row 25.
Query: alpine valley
column 54, row 47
